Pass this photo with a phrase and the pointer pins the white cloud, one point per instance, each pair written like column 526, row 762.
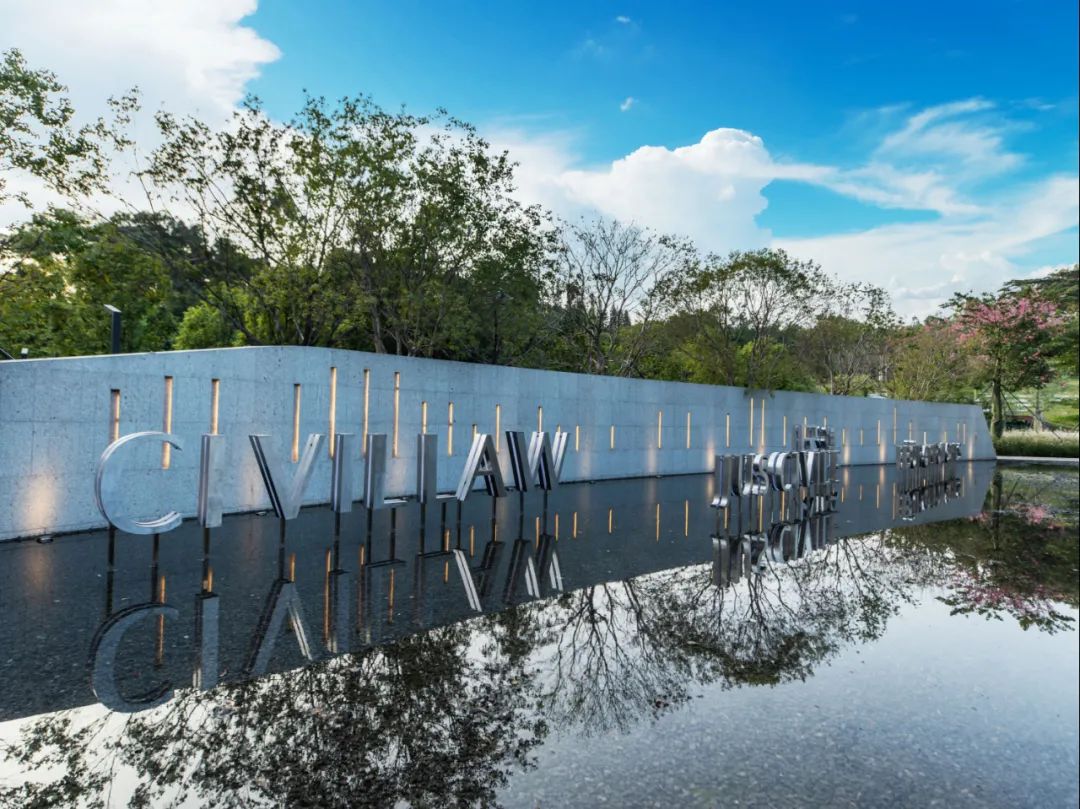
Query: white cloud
column 194, row 56
column 627, row 104
column 712, row 191
column 622, row 19
column 188, row 57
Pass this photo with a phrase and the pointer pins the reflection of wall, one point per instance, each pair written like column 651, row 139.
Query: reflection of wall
column 53, row 597
column 56, row 417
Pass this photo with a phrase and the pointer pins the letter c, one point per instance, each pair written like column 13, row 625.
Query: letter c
column 107, row 487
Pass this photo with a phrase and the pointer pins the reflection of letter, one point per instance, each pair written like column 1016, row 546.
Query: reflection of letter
column 482, row 462
column 341, row 474
column 102, row 661
column 210, row 463
column 107, row 487
column 285, row 501
column 283, row 600
column 206, row 641
column 340, row 616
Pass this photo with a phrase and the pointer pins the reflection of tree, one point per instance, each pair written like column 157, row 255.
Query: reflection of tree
column 1018, row 557
column 619, row 652
column 425, row 720
column 442, row 718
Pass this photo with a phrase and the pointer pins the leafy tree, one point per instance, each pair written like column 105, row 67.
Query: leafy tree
column 1011, row 334
column 1062, row 287
column 927, row 363
column 745, row 307
column 39, row 137
column 63, row 270
column 617, row 280
column 354, row 227
column 846, row 347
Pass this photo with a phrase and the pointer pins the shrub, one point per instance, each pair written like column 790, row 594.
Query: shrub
column 1042, row 445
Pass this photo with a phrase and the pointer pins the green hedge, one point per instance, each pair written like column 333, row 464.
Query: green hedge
column 1042, row 445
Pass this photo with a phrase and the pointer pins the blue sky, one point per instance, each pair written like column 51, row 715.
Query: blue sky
column 924, row 146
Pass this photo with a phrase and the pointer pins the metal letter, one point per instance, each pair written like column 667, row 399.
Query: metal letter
column 519, row 459
column 375, row 475
column 286, row 502
column 211, row 456
column 483, row 462
column 341, row 474
column 427, row 467
column 107, row 486
column 545, row 465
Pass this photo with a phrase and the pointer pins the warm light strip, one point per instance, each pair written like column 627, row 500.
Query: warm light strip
column 610, row 519
column 577, row 437
column 688, row 429
column 498, row 427
column 686, row 518
column 878, row 439
column 423, row 418
column 367, row 397
column 659, row 429
column 785, row 435
column 333, row 408
column 397, row 409
column 539, row 418
column 450, row 429
column 296, row 423
column 750, row 435
column 657, row 522
column 556, row 526
column 573, row 528
column 166, row 447
column 215, row 398
column 114, row 414
column 727, row 429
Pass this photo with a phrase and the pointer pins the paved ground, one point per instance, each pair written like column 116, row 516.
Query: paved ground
column 1019, row 459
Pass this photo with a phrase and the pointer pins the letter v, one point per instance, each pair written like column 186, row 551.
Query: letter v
column 285, row 499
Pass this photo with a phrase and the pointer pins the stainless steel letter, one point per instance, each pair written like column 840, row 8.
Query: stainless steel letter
column 107, row 486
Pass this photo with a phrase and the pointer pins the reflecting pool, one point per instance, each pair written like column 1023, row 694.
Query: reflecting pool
column 618, row 643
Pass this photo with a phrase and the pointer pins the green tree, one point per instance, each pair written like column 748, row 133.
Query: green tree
column 927, row 363
column 39, row 137
column 746, row 308
column 63, row 270
column 353, row 227
column 1011, row 334
column 617, row 280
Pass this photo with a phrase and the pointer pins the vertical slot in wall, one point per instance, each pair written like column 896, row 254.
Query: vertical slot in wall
column 295, row 449
column 166, row 424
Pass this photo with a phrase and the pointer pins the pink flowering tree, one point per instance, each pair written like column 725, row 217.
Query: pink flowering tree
column 1012, row 336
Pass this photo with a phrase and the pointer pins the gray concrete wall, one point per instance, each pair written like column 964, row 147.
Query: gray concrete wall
column 56, row 417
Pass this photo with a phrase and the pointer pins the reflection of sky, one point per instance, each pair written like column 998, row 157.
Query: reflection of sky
column 956, row 709
column 916, row 715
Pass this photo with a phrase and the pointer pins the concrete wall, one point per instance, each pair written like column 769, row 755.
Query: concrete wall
column 56, row 417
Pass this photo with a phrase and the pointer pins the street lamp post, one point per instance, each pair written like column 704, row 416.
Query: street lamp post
column 115, row 327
